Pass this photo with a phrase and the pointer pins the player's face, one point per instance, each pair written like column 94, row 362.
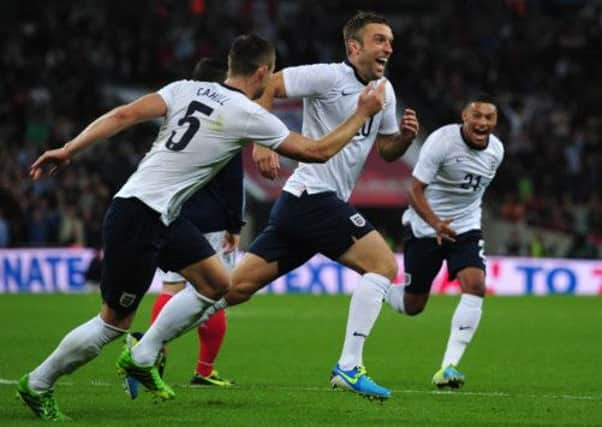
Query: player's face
column 371, row 56
column 478, row 121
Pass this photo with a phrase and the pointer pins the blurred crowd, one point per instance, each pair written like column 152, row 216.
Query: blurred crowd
column 541, row 58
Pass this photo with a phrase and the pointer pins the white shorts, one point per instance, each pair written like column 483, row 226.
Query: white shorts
column 216, row 240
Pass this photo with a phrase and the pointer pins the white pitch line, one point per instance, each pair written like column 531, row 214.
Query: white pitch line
column 98, row 383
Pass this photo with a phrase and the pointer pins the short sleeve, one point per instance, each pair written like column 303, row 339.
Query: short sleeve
column 389, row 125
column 169, row 93
column 265, row 129
column 432, row 155
column 308, row 80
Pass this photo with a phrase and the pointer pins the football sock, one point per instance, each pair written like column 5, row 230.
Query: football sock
column 160, row 301
column 394, row 297
column 176, row 317
column 364, row 308
column 463, row 326
column 78, row 347
column 211, row 335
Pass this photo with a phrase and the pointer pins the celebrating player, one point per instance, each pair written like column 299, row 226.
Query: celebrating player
column 216, row 210
column 455, row 166
column 312, row 214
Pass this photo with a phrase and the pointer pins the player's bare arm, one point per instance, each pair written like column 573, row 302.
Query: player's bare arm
column 421, row 205
column 392, row 147
column 267, row 161
column 118, row 119
column 298, row 147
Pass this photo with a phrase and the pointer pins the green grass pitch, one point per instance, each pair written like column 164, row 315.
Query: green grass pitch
column 533, row 361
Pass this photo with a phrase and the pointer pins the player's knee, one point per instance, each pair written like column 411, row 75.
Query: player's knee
column 414, row 304
column 477, row 289
column 238, row 294
column 241, row 290
column 387, row 267
column 474, row 287
column 414, row 310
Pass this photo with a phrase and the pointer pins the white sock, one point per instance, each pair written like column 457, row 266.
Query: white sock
column 78, row 347
column 176, row 317
column 366, row 302
column 394, row 297
column 463, row 326
column 218, row 305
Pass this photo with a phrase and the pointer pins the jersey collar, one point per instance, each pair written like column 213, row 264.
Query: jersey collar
column 357, row 75
column 470, row 144
column 231, row 88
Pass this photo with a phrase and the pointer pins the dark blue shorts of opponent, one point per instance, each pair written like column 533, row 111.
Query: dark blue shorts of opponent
column 300, row 227
column 423, row 257
column 136, row 242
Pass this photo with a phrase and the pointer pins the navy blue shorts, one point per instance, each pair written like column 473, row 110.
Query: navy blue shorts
column 423, row 258
column 300, row 227
column 136, row 242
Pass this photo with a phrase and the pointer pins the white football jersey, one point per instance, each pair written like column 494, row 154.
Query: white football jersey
column 330, row 93
column 457, row 176
column 205, row 126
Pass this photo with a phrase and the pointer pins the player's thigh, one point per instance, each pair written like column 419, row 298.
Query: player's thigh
column 269, row 256
column 422, row 259
column 466, row 261
column 250, row 275
column 132, row 236
column 371, row 253
column 188, row 253
column 324, row 223
column 284, row 241
column 208, row 276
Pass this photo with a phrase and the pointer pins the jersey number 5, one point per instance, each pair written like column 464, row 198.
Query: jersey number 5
column 193, row 125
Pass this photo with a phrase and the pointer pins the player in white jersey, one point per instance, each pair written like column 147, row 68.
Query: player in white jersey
column 456, row 164
column 312, row 214
column 205, row 124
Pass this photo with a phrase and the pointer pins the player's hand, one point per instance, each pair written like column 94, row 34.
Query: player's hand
column 409, row 125
column 266, row 161
column 50, row 163
column 444, row 231
column 230, row 242
column 372, row 100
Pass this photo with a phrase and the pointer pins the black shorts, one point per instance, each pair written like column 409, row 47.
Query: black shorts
column 423, row 258
column 300, row 227
column 136, row 242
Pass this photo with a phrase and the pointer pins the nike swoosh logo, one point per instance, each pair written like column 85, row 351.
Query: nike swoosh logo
column 347, row 378
column 463, row 328
column 347, row 93
column 358, row 334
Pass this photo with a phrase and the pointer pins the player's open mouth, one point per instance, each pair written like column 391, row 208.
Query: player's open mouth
column 381, row 62
column 480, row 134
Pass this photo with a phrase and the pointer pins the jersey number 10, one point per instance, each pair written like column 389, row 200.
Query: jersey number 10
column 193, row 125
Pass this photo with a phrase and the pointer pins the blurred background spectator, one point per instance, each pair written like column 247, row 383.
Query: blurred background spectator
column 63, row 63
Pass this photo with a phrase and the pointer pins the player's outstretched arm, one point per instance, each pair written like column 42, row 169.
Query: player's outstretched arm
column 392, row 147
column 266, row 161
column 298, row 147
column 421, row 205
column 118, row 119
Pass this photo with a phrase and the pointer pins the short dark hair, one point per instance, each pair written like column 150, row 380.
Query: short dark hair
column 356, row 24
column 249, row 52
column 480, row 97
column 210, row 70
